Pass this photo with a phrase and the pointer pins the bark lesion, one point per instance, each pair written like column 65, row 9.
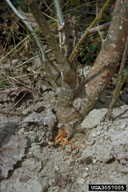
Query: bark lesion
column 75, row 101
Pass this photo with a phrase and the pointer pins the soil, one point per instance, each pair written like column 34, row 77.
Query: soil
column 30, row 158
column 97, row 154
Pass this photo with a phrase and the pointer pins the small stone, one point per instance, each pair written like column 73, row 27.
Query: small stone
column 123, row 125
column 56, row 168
column 21, row 131
column 24, row 112
column 51, row 143
column 94, row 161
column 86, row 169
column 85, row 174
column 94, row 118
column 94, row 134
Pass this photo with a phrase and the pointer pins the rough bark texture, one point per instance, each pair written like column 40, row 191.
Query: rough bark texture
column 108, row 58
column 74, row 103
column 103, row 69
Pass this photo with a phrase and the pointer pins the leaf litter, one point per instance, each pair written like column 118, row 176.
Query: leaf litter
column 82, row 161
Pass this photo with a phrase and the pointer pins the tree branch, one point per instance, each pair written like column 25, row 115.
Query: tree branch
column 99, row 28
column 67, row 74
column 108, row 57
column 61, row 23
column 82, row 39
column 59, row 13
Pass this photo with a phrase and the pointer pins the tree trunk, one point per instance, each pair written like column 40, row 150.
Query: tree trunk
column 67, row 72
column 76, row 102
column 87, row 94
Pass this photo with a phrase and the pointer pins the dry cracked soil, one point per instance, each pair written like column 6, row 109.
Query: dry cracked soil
column 98, row 153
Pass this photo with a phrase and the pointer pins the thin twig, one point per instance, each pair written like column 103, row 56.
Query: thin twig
column 98, row 22
column 79, row 6
column 11, row 113
column 48, row 7
column 50, row 17
column 14, row 48
column 28, row 26
column 99, row 28
column 25, row 93
column 5, row 44
column 32, row 58
column 63, row 65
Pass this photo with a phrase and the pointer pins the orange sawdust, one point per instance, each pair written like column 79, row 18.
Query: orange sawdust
column 62, row 140
column 73, row 146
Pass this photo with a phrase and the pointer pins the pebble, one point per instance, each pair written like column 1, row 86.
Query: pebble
column 85, row 174
column 123, row 125
column 94, row 161
column 93, row 119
